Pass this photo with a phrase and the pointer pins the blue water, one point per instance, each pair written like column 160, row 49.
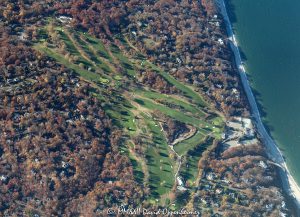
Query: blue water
column 268, row 32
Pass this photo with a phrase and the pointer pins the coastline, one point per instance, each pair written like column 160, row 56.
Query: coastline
column 288, row 182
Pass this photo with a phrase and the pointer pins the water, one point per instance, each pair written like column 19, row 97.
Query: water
column 268, row 32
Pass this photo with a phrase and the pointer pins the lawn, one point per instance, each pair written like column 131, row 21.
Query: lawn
column 61, row 59
column 160, row 165
column 188, row 107
column 91, row 51
column 187, row 91
column 124, row 61
column 98, row 45
column 177, row 115
column 71, row 48
column 183, row 147
column 189, row 169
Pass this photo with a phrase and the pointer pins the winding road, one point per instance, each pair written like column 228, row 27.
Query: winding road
column 289, row 184
column 179, row 162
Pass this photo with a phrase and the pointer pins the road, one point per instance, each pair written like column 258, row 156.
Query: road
column 179, row 160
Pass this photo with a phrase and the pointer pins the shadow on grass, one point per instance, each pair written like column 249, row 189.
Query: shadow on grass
column 195, row 154
column 139, row 176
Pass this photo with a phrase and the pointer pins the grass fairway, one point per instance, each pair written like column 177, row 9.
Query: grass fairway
column 171, row 112
column 189, row 169
column 185, row 106
column 187, row 91
column 98, row 46
column 183, row 147
column 123, row 60
column 131, row 106
column 91, row 54
column 160, row 165
column 62, row 60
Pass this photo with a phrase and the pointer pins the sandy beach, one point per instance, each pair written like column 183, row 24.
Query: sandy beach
column 289, row 184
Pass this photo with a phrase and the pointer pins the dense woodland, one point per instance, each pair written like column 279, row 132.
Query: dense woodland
column 241, row 180
column 59, row 151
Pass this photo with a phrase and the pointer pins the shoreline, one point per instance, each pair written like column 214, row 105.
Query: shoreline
column 288, row 182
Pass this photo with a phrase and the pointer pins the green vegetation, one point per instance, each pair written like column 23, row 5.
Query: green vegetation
column 112, row 73
column 186, row 90
column 189, row 169
column 186, row 106
column 183, row 147
column 171, row 112
column 160, row 165
column 61, row 59
column 103, row 80
column 123, row 60
column 98, row 46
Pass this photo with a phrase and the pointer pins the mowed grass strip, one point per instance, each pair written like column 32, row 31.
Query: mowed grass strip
column 119, row 110
column 61, row 59
column 74, row 40
column 116, row 52
column 187, row 91
column 98, row 45
column 188, row 107
column 124, row 61
column 121, row 115
column 137, row 166
column 177, row 115
column 160, row 165
column 93, row 58
column 137, row 169
column 71, row 48
column 183, row 147
column 124, row 42
column 189, row 169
